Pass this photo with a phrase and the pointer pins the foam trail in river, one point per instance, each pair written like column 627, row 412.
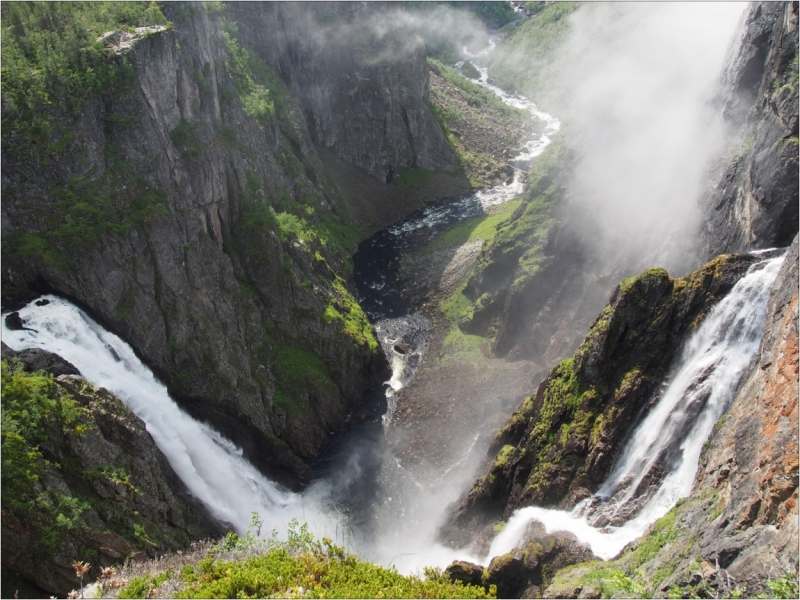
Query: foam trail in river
column 672, row 434
column 211, row 466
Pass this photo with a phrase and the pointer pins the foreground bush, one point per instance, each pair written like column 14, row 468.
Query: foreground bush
column 254, row 567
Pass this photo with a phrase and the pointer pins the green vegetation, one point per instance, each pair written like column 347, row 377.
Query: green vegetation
column 85, row 209
column 477, row 95
column 184, row 139
column 254, row 567
column 32, row 412
column 52, row 61
column 344, row 307
column 469, row 114
column 527, row 61
column 493, row 14
column 624, row 574
column 469, row 70
column 503, row 456
column 413, row 177
column 245, row 68
column 784, row 586
column 520, row 240
column 483, row 227
column 458, row 305
column 296, row 370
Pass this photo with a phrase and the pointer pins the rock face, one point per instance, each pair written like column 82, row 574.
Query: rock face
column 362, row 88
column 755, row 204
column 211, row 240
column 525, row 572
column 97, row 488
column 559, row 445
column 739, row 527
column 748, row 475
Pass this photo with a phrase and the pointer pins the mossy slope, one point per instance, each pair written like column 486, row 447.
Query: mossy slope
column 565, row 437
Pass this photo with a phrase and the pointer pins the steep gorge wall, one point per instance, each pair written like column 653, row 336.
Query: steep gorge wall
column 755, row 203
column 84, row 480
column 360, row 77
column 737, row 530
column 248, row 318
column 538, row 287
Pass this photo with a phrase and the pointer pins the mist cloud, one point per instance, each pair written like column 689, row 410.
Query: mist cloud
column 637, row 80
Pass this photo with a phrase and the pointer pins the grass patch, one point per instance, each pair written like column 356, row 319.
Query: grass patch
column 537, row 40
column 255, row 567
column 483, row 227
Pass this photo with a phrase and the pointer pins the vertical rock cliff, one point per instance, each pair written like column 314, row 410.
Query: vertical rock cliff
column 188, row 211
column 737, row 531
column 558, row 447
column 360, row 77
column 755, row 203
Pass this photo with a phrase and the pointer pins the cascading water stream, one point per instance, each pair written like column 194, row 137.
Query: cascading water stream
column 211, row 466
column 672, row 434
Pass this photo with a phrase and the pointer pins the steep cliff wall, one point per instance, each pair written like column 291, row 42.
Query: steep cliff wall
column 188, row 211
column 360, row 77
column 540, row 284
column 82, row 479
column 755, row 203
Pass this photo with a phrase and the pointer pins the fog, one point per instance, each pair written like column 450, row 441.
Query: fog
column 636, row 85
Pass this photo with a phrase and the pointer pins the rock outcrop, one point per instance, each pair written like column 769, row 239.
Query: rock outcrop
column 738, row 530
column 194, row 218
column 83, row 480
column 755, row 203
column 363, row 87
column 526, row 571
column 560, row 444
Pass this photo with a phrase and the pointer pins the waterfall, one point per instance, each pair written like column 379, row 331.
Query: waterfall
column 211, row 466
column 672, row 434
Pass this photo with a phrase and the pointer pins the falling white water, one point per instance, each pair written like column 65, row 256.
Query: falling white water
column 672, row 434
column 211, row 466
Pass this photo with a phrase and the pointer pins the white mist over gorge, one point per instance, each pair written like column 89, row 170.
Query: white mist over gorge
column 637, row 81
column 483, row 294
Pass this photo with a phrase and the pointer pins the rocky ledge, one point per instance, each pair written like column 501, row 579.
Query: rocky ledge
column 82, row 479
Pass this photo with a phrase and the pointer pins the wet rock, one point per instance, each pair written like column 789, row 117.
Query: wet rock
column 507, row 572
column 35, row 359
column 14, row 322
column 466, row 572
column 617, row 370
column 525, row 572
column 403, row 348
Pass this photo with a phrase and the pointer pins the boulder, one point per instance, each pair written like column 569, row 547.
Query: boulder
column 466, row 572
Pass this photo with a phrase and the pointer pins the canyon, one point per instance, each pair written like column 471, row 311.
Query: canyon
column 366, row 283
